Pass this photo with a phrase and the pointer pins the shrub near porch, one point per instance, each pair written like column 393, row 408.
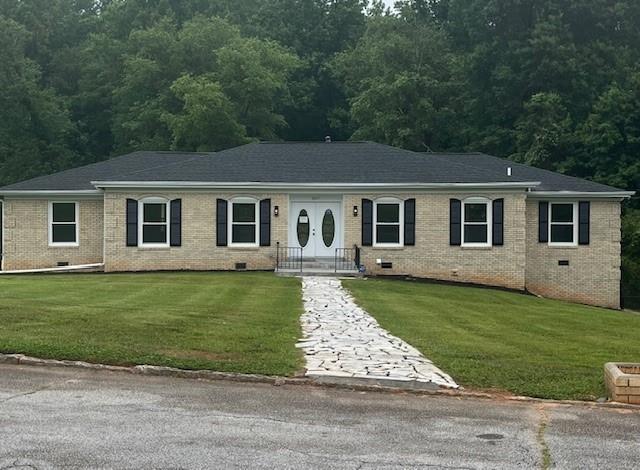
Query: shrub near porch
column 235, row 322
column 487, row 338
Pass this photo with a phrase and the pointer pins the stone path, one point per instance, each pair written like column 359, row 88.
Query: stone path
column 342, row 340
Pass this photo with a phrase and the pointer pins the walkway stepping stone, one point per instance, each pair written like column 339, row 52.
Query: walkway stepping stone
column 342, row 340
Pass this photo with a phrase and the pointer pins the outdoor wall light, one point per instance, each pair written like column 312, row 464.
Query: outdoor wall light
column 276, row 210
column 355, row 211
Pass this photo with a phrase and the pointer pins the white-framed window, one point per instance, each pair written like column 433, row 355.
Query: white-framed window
column 63, row 223
column 243, row 222
column 388, row 221
column 476, row 222
column 153, row 222
column 563, row 223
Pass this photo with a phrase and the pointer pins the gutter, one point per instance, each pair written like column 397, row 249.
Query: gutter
column 577, row 194
column 307, row 186
column 88, row 193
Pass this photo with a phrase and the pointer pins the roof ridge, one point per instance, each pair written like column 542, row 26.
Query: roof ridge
column 310, row 142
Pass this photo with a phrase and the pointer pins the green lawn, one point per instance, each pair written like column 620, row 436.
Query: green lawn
column 239, row 322
column 487, row 338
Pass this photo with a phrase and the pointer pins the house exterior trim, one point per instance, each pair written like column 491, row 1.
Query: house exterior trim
column 307, row 186
column 83, row 193
column 578, row 194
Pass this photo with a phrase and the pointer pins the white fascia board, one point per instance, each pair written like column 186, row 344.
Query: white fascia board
column 579, row 194
column 82, row 193
column 309, row 186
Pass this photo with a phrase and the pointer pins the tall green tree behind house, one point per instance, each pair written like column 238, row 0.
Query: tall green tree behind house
column 402, row 83
column 36, row 132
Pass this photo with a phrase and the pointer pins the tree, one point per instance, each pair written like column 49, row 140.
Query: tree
column 544, row 132
column 207, row 119
column 401, row 83
column 35, row 129
column 610, row 137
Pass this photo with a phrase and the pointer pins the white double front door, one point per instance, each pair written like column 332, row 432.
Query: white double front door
column 316, row 227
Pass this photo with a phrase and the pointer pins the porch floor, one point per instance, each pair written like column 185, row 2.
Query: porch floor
column 318, row 267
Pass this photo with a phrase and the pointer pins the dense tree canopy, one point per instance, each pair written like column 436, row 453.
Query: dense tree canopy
column 553, row 83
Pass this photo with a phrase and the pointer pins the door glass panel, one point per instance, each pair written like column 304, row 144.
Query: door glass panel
column 328, row 228
column 303, row 228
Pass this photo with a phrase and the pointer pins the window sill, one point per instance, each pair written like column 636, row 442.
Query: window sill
column 154, row 248
column 390, row 247
column 480, row 248
column 244, row 247
column 557, row 246
column 64, row 245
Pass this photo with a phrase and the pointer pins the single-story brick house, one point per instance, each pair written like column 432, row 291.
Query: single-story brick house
column 462, row 217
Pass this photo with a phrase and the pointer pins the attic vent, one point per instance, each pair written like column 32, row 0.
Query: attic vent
column 327, row 139
column 508, row 171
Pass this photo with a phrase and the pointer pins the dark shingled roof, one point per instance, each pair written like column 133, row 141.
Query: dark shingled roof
column 310, row 162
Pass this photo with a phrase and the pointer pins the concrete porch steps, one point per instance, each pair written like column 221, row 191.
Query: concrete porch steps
column 318, row 267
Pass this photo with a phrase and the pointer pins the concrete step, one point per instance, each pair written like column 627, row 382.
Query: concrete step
column 319, row 272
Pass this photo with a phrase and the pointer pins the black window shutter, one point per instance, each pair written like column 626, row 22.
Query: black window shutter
column 367, row 222
column 455, row 222
column 497, row 231
column 265, row 222
column 410, row 222
column 221, row 222
column 132, row 222
column 584, row 209
column 543, row 222
column 175, row 234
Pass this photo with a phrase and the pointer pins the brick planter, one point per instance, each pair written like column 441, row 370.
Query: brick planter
column 623, row 382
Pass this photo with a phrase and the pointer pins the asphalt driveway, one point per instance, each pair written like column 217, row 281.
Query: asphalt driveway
column 52, row 418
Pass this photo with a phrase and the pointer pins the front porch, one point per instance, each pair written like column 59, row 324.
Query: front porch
column 292, row 261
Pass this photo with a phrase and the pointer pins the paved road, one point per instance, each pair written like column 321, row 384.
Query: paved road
column 51, row 418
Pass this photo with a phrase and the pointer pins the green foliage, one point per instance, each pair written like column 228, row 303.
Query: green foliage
column 631, row 259
column 402, row 83
column 207, row 119
column 35, row 128
column 544, row 132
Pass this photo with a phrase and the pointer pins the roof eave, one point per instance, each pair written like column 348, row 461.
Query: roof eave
column 308, row 186
column 584, row 194
column 84, row 193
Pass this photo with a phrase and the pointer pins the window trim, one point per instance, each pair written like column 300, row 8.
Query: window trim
column 76, row 223
column 388, row 200
column 256, row 222
column 489, row 222
column 142, row 223
column 574, row 222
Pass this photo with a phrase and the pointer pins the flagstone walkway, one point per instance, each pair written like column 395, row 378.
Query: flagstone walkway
column 342, row 340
